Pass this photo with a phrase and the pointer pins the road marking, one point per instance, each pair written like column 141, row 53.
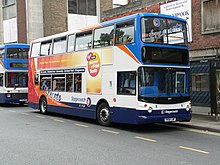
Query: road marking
column 109, row 131
column 11, row 111
column 193, row 149
column 81, row 125
column 193, row 130
column 146, row 139
column 25, row 114
column 40, row 117
column 58, row 120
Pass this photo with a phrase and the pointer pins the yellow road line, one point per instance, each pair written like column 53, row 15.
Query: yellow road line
column 41, row 117
column 146, row 139
column 58, row 120
column 81, row 125
column 193, row 149
column 193, row 130
column 109, row 131
column 11, row 111
column 203, row 132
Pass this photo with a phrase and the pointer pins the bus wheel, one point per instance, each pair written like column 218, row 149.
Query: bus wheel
column 43, row 105
column 103, row 114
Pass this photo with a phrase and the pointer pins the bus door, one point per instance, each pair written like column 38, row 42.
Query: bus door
column 180, row 84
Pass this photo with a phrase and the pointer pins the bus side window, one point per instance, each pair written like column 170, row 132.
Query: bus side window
column 46, row 48
column 126, row 83
column 78, row 83
column 2, row 52
column 35, row 49
column 45, row 82
column 125, row 32
column 83, row 41
column 103, row 37
column 69, row 83
column 58, row 83
column 59, row 45
column 71, row 43
column 1, row 79
column 36, row 79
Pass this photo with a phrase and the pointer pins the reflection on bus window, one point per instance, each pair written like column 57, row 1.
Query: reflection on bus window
column 125, row 32
column 2, row 52
column 83, row 41
column 45, row 82
column 163, row 31
column 16, row 79
column 103, row 37
column 126, row 83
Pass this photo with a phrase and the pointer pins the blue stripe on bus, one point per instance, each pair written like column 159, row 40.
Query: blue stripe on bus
column 15, row 98
column 121, row 115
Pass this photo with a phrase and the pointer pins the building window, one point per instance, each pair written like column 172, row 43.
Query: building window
column 200, row 82
column 8, row 2
column 9, row 12
column 210, row 16
column 84, row 7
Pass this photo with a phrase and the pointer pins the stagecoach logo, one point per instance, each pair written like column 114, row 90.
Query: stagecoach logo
column 156, row 22
column 88, row 102
column 169, row 111
column 93, row 63
column 82, row 100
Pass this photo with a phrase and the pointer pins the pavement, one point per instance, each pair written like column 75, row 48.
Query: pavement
column 201, row 119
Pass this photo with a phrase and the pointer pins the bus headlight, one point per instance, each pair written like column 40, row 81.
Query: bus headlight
column 188, row 107
column 8, row 95
column 150, row 109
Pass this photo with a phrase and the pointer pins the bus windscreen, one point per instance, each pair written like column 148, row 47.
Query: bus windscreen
column 163, row 31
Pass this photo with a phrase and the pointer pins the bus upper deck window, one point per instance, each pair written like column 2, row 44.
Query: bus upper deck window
column 83, row 41
column 125, row 32
column 103, row 37
column 46, row 48
column 59, row 45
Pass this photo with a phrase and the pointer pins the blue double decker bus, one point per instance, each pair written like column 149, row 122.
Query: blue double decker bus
column 14, row 73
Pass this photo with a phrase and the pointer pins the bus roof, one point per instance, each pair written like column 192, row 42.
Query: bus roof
column 141, row 15
column 107, row 23
column 15, row 45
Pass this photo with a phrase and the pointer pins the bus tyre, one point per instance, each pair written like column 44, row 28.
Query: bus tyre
column 103, row 114
column 43, row 105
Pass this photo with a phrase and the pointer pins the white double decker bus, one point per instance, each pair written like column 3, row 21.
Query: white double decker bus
column 133, row 70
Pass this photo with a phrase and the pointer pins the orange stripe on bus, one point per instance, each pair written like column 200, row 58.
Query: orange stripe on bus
column 90, row 27
column 126, row 50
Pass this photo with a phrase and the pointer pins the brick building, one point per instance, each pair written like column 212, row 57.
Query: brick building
column 204, row 48
column 23, row 20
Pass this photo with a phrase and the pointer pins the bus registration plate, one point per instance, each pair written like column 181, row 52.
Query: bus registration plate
column 170, row 119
